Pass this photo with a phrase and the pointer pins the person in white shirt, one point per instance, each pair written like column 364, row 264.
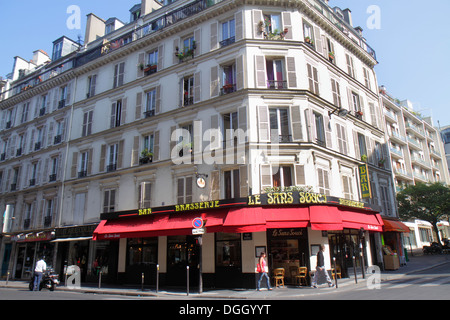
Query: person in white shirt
column 39, row 270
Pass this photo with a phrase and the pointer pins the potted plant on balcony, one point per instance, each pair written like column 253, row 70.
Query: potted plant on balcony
column 140, row 66
column 146, row 156
column 359, row 113
column 331, row 55
column 364, row 158
column 381, row 162
column 309, row 41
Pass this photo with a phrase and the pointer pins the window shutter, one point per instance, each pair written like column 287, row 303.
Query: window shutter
column 296, row 123
column 287, row 24
column 123, row 111
column 180, row 190
column 263, row 117
column 145, row 195
column 242, row 123
column 243, row 181
column 310, row 125
column 214, row 44
column 197, row 86
column 175, row 46
column 135, row 152
column 121, row 74
column 160, row 57
column 49, row 134
column 173, row 142
column 73, row 171
column 266, row 176
column 328, row 132
column 188, row 198
column 156, row 145
column 240, row 72
column 120, row 154
column 112, row 122
column 239, row 26
column 356, row 143
column 260, row 72
column 291, row 75
column 141, row 62
column 318, row 39
column 214, row 88
column 214, row 133
column 158, row 100
column 257, row 18
column 215, row 185
column 102, row 157
column 299, row 175
column 198, row 43
column 89, row 164
column 138, row 112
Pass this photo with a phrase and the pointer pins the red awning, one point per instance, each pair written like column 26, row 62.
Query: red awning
column 325, row 218
column 395, row 226
column 357, row 220
column 248, row 219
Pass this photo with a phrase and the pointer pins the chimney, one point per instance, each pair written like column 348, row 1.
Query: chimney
column 348, row 16
column 147, row 6
column 40, row 57
column 95, row 28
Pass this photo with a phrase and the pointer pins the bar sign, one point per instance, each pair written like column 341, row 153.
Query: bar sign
column 364, row 181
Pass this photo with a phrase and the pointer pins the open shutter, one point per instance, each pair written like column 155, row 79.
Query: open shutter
column 158, row 100
column 328, row 132
column 266, row 176
column 296, row 123
column 263, row 124
column 73, row 171
column 215, row 185
column 260, row 67
column 138, row 111
column 318, row 39
column 239, row 26
column 291, row 75
column 188, row 197
column 242, row 123
column 141, row 64
column 120, row 154
column 135, row 151
column 156, row 146
column 299, row 175
column 214, row 137
column 214, row 84
column 356, row 143
column 102, row 157
column 198, row 43
column 240, row 72
column 257, row 18
column 145, row 195
column 214, row 44
column 176, row 44
column 243, row 180
column 123, row 115
column 287, row 25
column 197, row 86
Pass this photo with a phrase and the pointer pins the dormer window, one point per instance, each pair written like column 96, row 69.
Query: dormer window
column 135, row 12
column 57, row 50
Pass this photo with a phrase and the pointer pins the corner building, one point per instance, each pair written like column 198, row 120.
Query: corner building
column 253, row 116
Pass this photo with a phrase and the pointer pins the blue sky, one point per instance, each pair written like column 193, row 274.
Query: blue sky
column 412, row 42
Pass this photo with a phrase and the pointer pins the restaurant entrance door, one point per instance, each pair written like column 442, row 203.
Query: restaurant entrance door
column 182, row 251
column 288, row 249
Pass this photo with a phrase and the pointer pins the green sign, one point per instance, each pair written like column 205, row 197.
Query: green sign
column 364, row 183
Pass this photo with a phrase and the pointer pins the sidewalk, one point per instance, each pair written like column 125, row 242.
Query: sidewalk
column 415, row 264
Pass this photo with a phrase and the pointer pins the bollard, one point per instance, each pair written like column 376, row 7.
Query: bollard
column 157, row 278
column 142, row 282
column 187, row 281
column 100, row 280
column 354, row 270
column 7, row 277
column 335, row 272
column 362, row 266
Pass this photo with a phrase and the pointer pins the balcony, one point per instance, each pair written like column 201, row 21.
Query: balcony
column 397, row 137
column 47, row 221
column 149, row 113
column 37, row 146
column 416, row 159
column 227, row 42
column 19, row 152
column 52, row 177
column 420, row 176
column 57, row 139
column 414, row 143
column 276, row 84
column 111, row 167
column 82, row 174
column 41, row 112
column 13, row 186
column 415, row 129
column 61, row 103
column 26, row 223
column 403, row 173
column 3, row 156
column 396, row 152
column 32, row 182
column 228, row 88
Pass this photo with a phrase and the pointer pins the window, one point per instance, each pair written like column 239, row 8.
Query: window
column 188, row 91
column 228, row 79
column 50, row 204
column 335, row 88
column 25, row 109
column 149, row 142
column 320, row 129
column 57, row 50
column 34, row 171
column 308, row 33
column 84, row 160
column 323, row 179
column 54, row 168
column 150, row 106
column 231, row 184
column 145, row 195
column 119, row 70
column 272, row 23
column 113, row 152
column 184, row 190
column 152, row 63
column 330, row 49
column 15, row 180
column 279, row 125
column 142, row 251
column 385, row 199
column 228, row 33
column 313, row 79
column 275, row 74
column 228, row 250
column 92, row 80
column 109, row 200
column 116, row 112
column 38, row 145
column 29, row 212
column 282, row 176
column 355, row 102
column 230, row 125
column 362, row 145
column 60, row 125
column 87, row 123
column 350, row 68
column 62, row 97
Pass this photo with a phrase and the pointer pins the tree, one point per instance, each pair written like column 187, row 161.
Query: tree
column 428, row 202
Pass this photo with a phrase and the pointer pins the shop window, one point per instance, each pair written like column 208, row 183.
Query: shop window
column 228, row 250
column 142, row 251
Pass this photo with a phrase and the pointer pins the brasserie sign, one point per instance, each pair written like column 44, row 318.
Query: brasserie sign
column 291, row 198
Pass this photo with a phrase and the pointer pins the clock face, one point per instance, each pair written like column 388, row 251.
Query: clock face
column 201, row 183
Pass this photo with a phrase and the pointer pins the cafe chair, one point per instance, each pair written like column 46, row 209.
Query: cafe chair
column 301, row 276
column 278, row 277
column 337, row 272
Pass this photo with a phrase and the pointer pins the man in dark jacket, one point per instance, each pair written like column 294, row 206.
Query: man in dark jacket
column 320, row 269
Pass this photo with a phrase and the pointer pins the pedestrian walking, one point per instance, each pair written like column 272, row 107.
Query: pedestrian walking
column 320, row 269
column 263, row 269
column 39, row 270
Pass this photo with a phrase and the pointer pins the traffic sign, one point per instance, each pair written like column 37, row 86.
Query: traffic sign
column 197, row 223
column 198, row 231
